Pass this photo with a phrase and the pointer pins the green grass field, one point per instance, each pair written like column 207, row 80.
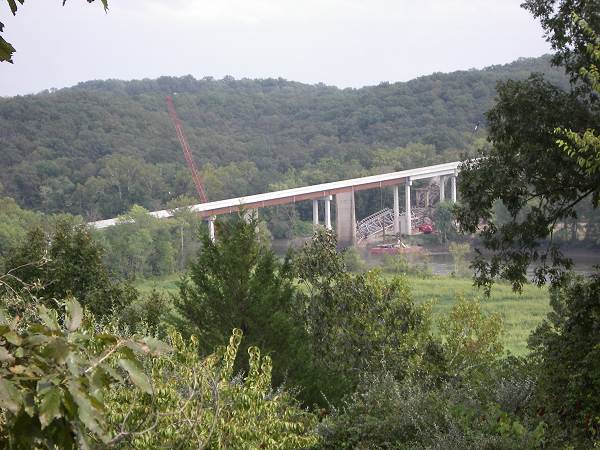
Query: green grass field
column 520, row 313
column 167, row 284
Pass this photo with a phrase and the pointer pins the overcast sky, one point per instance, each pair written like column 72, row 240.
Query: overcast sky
column 339, row 42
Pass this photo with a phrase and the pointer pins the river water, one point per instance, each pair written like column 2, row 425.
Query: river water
column 442, row 263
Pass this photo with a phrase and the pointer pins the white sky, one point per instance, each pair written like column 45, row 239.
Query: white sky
column 338, row 42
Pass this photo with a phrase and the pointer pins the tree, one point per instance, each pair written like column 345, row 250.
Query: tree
column 54, row 377
column 525, row 167
column 585, row 147
column 537, row 182
column 357, row 323
column 237, row 282
column 6, row 48
column 444, row 221
column 461, row 409
column 567, row 38
column 567, row 348
column 68, row 262
column 14, row 222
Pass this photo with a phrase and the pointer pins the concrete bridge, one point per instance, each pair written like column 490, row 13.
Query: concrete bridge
column 343, row 191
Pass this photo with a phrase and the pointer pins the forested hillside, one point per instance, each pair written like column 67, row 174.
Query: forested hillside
column 99, row 147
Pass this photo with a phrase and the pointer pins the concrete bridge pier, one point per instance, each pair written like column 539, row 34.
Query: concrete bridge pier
column 328, row 212
column 211, row 228
column 407, row 213
column 346, row 219
column 315, row 212
column 453, row 188
column 396, row 210
column 442, row 189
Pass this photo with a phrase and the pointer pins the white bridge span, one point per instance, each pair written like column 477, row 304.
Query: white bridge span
column 342, row 190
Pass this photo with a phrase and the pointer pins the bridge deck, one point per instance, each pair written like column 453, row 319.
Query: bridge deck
column 304, row 193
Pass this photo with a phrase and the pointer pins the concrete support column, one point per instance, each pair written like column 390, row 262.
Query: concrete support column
column 328, row 212
column 453, row 180
column 345, row 219
column 396, row 210
column 211, row 228
column 315, row 213
column 407, row 206
column 442, row 189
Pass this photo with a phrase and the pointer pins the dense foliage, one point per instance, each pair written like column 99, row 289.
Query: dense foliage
column 237, row 282
column 54, row 374
column 102, row 146
column 354, row 346
column 526, row 167
column 347, row 359
column 75, row 381
column 204, row 403
column 67, row 262
column 356, row 322
column 567, row 345
column 541, row 164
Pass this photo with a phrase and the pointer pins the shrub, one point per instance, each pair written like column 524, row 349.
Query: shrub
column 204, row 404
column 356, row 322
column 460, row 408
column 353, row 260
column 53, row 378
column 67, row 262
column 567, row 347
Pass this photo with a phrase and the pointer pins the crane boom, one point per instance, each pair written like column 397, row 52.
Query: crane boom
column 186, row 151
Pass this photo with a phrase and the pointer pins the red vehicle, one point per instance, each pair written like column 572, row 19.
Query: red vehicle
column 426, row 228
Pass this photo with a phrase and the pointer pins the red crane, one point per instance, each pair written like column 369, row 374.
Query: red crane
column 186, row 151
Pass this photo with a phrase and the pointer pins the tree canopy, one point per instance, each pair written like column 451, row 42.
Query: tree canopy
column 540, row 163
column 100, row 147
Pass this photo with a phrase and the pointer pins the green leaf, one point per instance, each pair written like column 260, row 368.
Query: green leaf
column 13, row 338
column 73, row 363
column 136, row 347
column 106, row 338
column 48, row 318
column 37, row 339
column 58, row 349
column 100, row 379
column 138, row 377
column 113, row 373
column 75, row 314
column 10, row 397
column 50, row 406
column 88, row 415
column 6, row 51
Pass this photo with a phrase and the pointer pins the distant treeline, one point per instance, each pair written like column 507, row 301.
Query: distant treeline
column 101, row 147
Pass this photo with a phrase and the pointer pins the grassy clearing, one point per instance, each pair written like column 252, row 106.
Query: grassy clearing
column 520, row 313
column 167, row 283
